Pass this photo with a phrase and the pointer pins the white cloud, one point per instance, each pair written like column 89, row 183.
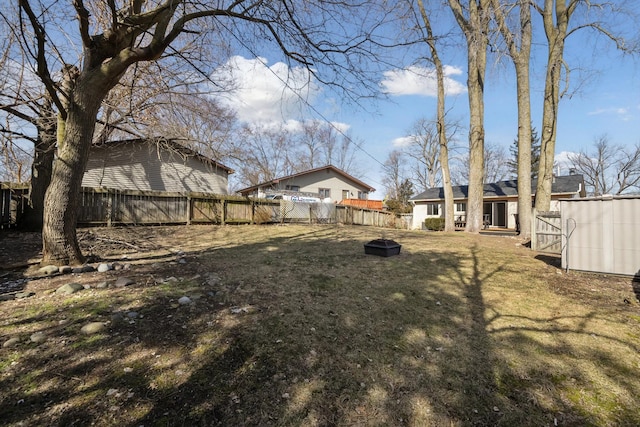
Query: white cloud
column 403, row 141
column 420, row 81
column 259, row 93
column 622, row 112
column 562, row 163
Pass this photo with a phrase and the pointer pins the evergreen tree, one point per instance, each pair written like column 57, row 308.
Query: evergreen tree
column 535, row 155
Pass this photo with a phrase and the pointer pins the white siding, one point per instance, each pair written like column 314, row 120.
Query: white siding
column 325, row 178
column 145, row 166
column 420, row 214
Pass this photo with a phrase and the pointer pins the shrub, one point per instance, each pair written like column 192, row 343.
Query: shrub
column 435, row 224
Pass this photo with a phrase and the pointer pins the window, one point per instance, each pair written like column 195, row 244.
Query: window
column 345, row 194
column 325, row 193
column 461, row 207
column 363, row 195
column 292, row 187
column 433, row 209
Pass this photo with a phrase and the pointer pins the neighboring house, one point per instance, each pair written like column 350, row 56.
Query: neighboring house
column 500, row 201
column 327, row 182
column 154, row 165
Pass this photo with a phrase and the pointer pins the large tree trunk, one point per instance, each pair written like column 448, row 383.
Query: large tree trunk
column 524, row 148
column 556, row 23
column 449, row 224
column 521, row 58
column 59, row 239
column 42, row 167
column 475, row 29
column 475, row 81
column 549, row 128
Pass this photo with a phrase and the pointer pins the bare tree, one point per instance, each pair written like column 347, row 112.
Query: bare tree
column 495, row 168
column 557, row 17
column 30, row 119
column 14, row 160
column 424, row 150
column 394, row 174
column 443, row 138
column 264, row 153
column 610, row 168
column 114, row 36
column 324, row 143
column 473, row 18
column 518, row 43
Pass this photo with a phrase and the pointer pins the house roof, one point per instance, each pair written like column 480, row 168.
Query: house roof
column 307, row 172
column 170, row 144
column 567, row 184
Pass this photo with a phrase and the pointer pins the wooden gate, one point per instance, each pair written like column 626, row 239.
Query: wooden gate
column 546, row 232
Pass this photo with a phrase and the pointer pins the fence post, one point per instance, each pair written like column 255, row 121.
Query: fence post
column 109, row 208
column 253, row 212
column 224, row 211
column 534, row 237
column 189, row 209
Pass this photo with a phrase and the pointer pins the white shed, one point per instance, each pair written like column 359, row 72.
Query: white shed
column 601, row 234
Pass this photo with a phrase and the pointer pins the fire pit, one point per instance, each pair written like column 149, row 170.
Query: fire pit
column 382, row 247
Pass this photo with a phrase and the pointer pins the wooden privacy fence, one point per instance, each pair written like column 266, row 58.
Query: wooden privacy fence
column 546, row 232
column 109, row 207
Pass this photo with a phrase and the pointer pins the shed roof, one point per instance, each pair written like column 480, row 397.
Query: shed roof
column 171, row 144
column 567, row 184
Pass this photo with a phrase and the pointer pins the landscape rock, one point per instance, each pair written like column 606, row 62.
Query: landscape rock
column 69, row 288
column 38, row 337
column 123, row 281
column 213, row 279
column 83, row 269
column 93, row 328
column 21, row 295
column 102, row 285
column 49, row 270
column 104, row 267
column 117, row 319
column 184, row 300
column 11, row 342
column 66, row 269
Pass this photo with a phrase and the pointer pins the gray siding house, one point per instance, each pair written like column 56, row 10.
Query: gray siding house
column 500, row 207
column 154, row 165
column 326, row 183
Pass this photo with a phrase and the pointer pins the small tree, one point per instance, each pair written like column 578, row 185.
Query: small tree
column 535, row 155
column 400, row 202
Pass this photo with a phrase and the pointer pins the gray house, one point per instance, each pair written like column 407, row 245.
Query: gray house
column 326, row 183
column 154, row 165
column 500, row 201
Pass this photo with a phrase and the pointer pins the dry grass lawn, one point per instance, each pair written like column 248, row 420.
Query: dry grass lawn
column 296, row 326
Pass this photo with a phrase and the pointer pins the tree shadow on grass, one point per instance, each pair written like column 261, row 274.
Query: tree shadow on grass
column 307, row 330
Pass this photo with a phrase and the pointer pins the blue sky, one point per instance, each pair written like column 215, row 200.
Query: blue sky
column 606, row 102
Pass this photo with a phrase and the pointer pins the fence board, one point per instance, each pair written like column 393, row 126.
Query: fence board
column 100, row 206
column 546, row 232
